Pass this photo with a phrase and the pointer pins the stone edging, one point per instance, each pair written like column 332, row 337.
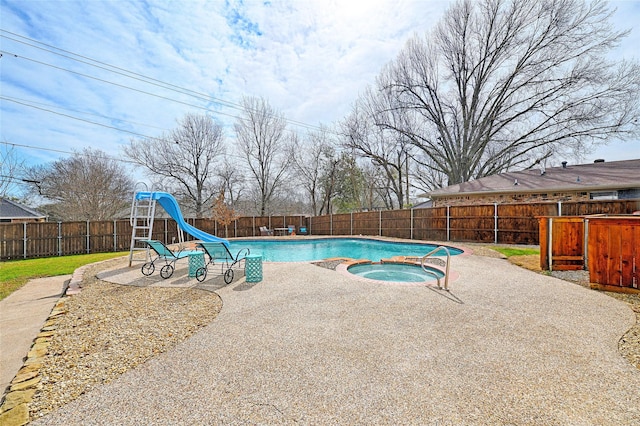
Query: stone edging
column 14, row 409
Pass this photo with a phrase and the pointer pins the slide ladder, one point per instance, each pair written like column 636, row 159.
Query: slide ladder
column 143, row 212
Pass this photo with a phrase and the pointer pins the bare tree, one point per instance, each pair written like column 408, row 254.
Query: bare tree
column 315, row 161
column 373, row 131
column 87, row 186
column 232, row 180
column 11, row 165
column 263, row 142
column 506, row 84
column 425, row 174
column 186, row 157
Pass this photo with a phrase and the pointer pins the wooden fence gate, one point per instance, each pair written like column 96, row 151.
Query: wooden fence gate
column 562, row 243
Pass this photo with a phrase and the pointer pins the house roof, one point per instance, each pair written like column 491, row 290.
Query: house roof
column 597, row 176
column 12, row 210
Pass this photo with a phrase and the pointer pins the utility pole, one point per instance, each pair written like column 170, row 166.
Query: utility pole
column 407, row 175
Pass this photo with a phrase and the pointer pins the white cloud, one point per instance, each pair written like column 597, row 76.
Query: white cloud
column 309, row 59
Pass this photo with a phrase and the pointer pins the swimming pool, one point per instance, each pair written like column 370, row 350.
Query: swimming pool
column 305, row 250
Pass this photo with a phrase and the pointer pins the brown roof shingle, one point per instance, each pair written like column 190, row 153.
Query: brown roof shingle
column 588, row 177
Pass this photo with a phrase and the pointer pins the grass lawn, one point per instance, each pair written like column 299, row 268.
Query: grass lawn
column 15, row 273
column 514, row 251
column 528, row 258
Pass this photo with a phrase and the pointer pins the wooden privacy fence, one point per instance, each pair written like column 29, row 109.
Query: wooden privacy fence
column 490, row 223
column 607, row 245
column 46, row 239
column 613, row 252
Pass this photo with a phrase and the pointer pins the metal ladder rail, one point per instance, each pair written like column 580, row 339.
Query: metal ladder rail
column 446, row 273
column 141, row 219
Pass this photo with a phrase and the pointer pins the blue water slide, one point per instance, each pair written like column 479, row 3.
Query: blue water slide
column 170, row 205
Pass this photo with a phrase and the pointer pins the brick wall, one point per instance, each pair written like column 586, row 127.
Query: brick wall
column 510, row 198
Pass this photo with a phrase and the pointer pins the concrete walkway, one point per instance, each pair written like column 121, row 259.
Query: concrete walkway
column 313, row 346
column 22, row 315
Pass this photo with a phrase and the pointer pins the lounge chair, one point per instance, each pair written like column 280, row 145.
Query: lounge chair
column 302, row 230
column 220, row 253
column 291, row 230
column 264, row 231
column 165, row 254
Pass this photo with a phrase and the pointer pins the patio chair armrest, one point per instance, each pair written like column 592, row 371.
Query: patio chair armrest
column 242, row 253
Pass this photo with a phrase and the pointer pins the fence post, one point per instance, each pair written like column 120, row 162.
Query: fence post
column 550, row 246
column 495, row 223
column 88, row 238
column 59, row 238
column 559, row 208
column 586, row 243
column 330, row 223
column 411, row 225
column 24, row 240
column 115, row 236
column 448, row 225
column 380, row 223
column 351, row 229
column 253, row 226
column 166, row 232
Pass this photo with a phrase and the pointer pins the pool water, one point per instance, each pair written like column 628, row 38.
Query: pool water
column 397, row 272
column 305, row 250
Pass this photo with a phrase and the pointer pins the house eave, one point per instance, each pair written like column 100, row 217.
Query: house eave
column 520, row 190
column 22, row 217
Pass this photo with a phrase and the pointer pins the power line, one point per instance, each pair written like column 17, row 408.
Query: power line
column 111, row 68
column 137, row 76
column 15, row 100
column 114, row 84
column 86, row 121
column 143, row 78
column 19, row 180
column 61, row 151
column 118, row 85
column 84, row 113
column 79, row 119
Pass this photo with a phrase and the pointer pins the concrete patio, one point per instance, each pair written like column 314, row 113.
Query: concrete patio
column 310, row 345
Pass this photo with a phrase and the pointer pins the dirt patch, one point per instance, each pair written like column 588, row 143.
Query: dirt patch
column 529, row 261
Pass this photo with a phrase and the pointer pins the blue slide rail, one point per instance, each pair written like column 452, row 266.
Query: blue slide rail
column 170, row 205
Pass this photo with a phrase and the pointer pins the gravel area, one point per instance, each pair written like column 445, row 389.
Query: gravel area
column 109, row 329
column 308, row 345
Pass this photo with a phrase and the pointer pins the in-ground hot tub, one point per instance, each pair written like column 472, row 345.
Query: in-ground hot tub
column 396, row 272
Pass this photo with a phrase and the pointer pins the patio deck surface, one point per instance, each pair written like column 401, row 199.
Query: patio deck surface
column 309, row 345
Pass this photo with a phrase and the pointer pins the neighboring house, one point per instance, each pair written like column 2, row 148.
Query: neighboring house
column 600, row 180
column 12, row 212
column 423, row 205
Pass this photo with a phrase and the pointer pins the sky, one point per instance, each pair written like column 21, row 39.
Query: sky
column 308, row 58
